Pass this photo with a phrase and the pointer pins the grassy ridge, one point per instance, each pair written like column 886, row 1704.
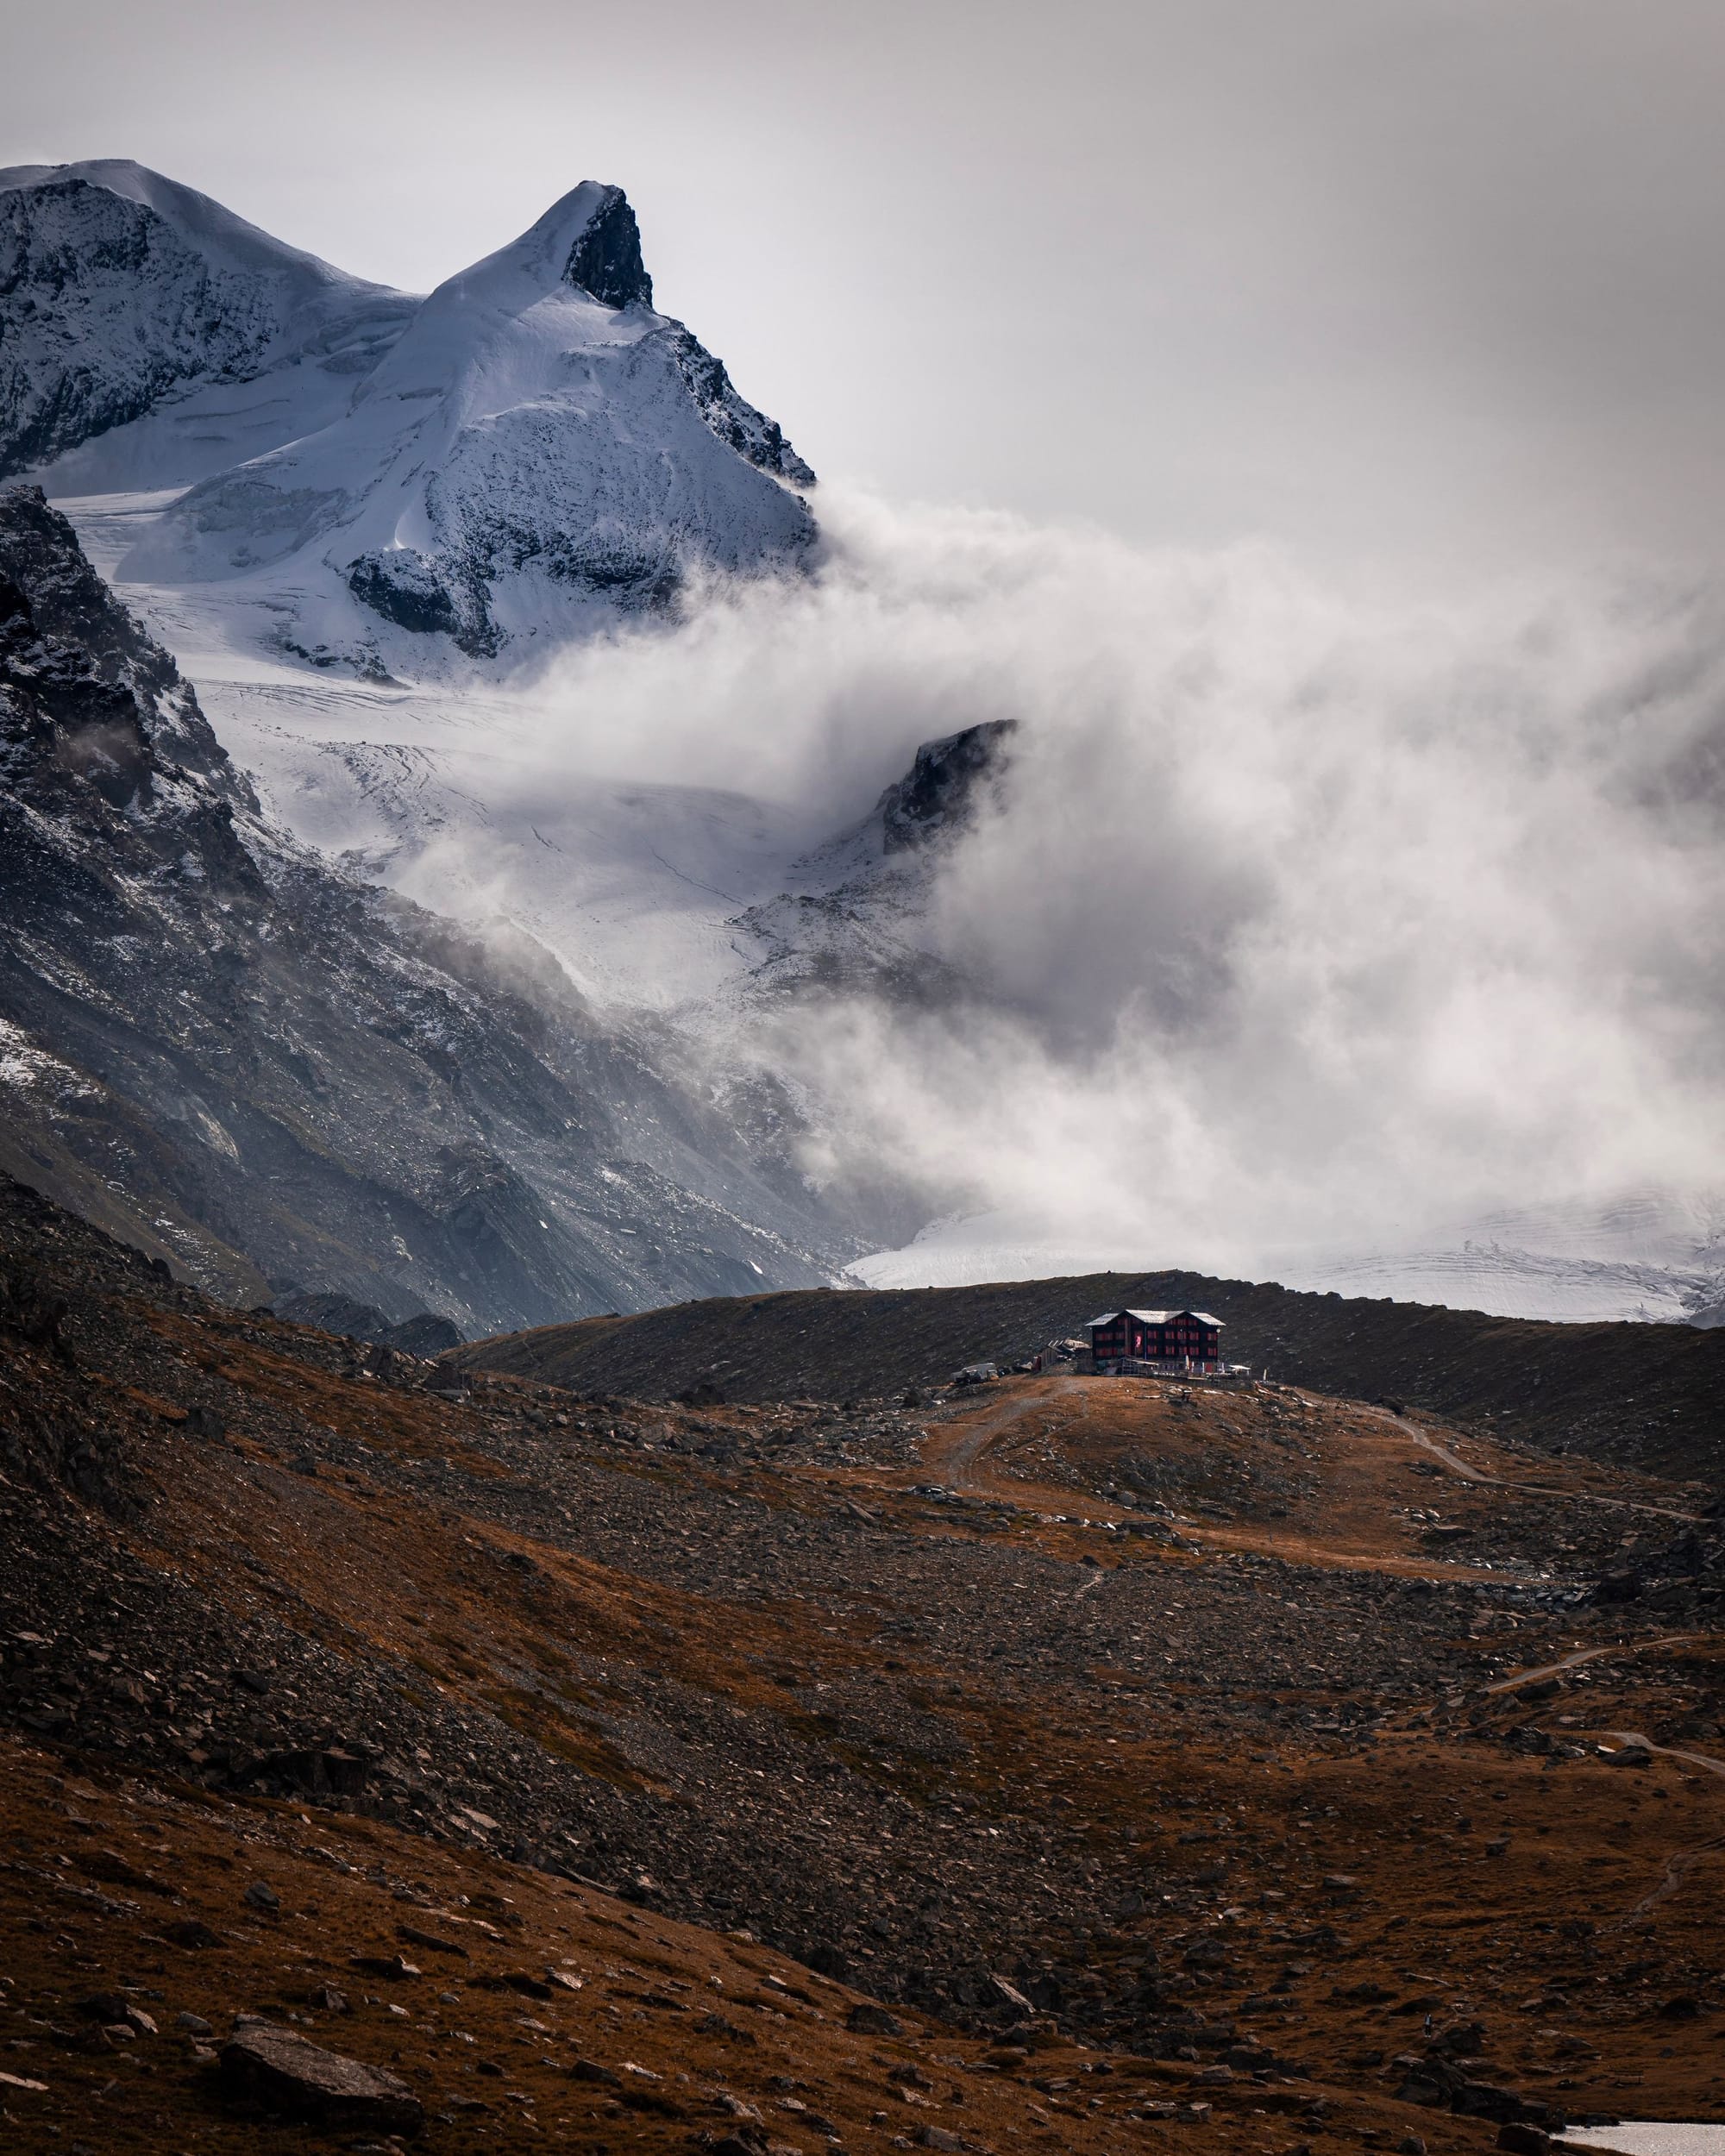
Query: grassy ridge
column 1649, row 1393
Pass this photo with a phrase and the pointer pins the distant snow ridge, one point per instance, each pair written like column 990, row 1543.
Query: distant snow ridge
column 385, row 481
column 1647, row 1256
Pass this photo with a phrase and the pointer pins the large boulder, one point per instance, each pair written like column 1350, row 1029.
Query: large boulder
column 280, row 2070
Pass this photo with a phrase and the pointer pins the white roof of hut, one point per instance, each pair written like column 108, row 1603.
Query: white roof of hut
column 1153, row 1317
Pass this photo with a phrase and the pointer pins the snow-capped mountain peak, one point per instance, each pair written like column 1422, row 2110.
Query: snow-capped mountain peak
column 225, row 240
column 537, row 451
column 391, row 483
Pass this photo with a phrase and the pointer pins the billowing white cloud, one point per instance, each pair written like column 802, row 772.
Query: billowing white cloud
column 1299, row 919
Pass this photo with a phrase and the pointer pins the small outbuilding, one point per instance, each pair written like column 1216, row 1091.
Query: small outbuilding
column 976, row 1373
column 1172, row 1343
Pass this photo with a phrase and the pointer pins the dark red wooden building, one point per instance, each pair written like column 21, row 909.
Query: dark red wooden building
column 1173, row 1340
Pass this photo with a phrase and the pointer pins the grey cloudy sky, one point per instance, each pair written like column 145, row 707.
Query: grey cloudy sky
column 1427, row 282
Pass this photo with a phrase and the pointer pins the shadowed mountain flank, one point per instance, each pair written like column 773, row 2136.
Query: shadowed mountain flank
column 278, row 1079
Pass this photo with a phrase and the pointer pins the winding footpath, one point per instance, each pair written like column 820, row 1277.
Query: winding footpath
column 1591, row 1654
column 1536, row 1489
column 958, row 1457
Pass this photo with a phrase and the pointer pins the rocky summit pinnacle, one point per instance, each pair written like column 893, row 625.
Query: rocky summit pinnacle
column 606, row 260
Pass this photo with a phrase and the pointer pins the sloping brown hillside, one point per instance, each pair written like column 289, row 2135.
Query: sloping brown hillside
column 1653, row 1395
column 1085, row 1764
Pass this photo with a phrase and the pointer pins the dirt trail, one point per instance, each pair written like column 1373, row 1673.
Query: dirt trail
column 1677, row 1870
column 1678, row 1866
column 1633, row 1737
column 957, row 1452
column 974, row 1453
column 1536, row 1489
column 1591, row 1654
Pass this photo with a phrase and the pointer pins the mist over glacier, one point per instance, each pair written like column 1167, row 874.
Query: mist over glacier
column 1301, row 920
column 1307, row 916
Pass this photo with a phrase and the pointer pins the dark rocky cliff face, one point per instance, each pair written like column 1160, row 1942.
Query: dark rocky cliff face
column 276, row 1079
column 78, row 264
column 82, row 637
column 938, row 795
column 731, row 417
column 606, row 260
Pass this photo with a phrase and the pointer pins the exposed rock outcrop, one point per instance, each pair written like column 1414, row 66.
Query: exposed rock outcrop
column 606, row 259
column 281, row 2071
column 939, row 793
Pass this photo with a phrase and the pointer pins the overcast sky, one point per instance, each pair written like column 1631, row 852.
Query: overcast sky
column 1406, row 282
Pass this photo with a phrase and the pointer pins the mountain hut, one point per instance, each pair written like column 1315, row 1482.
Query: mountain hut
column 1167, row 1343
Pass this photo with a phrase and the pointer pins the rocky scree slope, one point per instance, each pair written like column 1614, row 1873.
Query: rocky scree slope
column 274, row 1078
column 1210, row 1814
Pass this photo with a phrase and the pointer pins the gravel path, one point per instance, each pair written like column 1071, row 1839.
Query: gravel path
column 1534, row 1490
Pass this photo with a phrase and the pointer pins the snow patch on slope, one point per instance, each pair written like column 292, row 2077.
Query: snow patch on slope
column 632, row 887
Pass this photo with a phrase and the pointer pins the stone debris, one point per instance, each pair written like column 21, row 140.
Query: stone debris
column 277, row 2069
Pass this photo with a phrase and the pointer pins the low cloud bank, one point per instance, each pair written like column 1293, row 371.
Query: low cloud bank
column 1300, row 919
